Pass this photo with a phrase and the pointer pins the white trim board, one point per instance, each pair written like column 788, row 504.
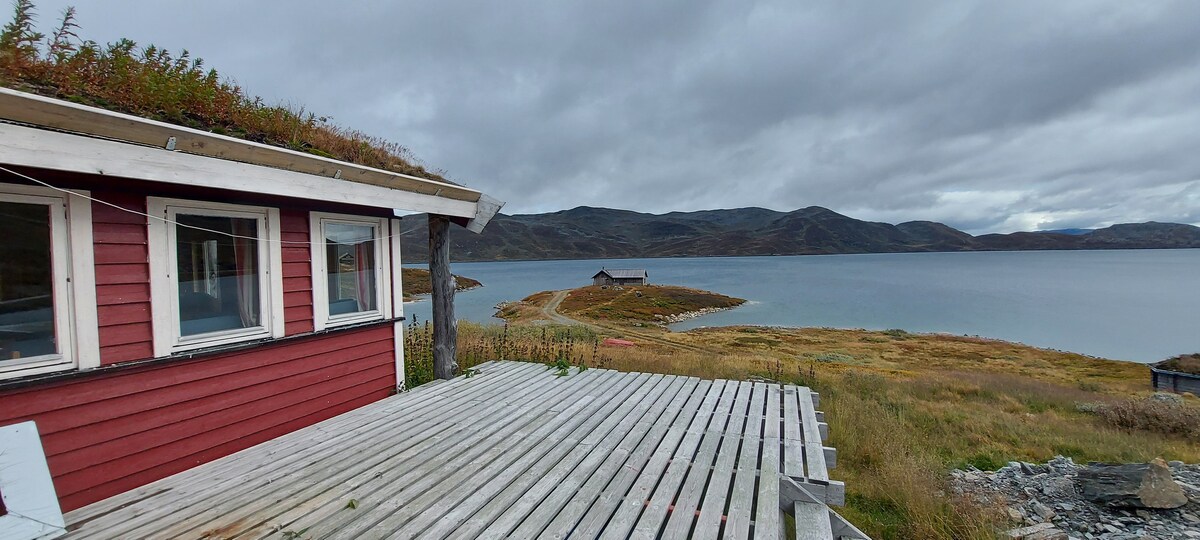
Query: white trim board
column 397, row 303
column 57, row 114
column 28, row 490
column 32, row 147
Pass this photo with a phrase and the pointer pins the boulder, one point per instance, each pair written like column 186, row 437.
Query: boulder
column 1041, row 531
column 1135, row 485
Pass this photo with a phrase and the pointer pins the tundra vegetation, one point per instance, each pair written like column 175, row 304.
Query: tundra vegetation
column 153, row 83
column 416, row 281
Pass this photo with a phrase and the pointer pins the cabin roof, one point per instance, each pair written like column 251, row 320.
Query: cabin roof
column 116, row 137
column 622, row 273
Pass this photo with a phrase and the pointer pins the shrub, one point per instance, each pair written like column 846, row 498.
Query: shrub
column 1152, row 415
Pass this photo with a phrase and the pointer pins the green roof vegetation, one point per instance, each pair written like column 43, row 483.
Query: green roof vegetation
column 153, row 83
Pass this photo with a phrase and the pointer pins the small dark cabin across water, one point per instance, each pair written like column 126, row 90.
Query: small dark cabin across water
column 621, row 277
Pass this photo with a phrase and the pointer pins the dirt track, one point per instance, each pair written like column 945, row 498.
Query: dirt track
column 550, row 311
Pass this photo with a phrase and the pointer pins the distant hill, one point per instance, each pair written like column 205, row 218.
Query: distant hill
column 594, row 233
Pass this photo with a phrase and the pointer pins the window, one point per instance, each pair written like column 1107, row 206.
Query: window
column 47, row 282
column 350, row 270
column 215, row 273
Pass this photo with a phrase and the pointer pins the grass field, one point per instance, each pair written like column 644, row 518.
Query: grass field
column 903, row 408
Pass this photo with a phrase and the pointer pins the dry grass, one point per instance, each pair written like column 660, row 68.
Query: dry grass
column 903, row 409
column 417, row 281
column 1184, row 363
column 648, row 303
column 152, row 83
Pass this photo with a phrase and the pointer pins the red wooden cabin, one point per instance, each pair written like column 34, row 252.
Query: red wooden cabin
column 170, row 296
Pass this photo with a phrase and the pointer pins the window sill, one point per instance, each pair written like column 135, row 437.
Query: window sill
column 68, row 374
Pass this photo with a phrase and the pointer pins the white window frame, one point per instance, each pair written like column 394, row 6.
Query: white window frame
column 164, row 280
column 320, row 274
column 74, row 282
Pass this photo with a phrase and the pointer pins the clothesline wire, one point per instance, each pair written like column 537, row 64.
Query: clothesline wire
column 159, row 218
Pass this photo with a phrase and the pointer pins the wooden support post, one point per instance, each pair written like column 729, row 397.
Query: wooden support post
column 445, row 327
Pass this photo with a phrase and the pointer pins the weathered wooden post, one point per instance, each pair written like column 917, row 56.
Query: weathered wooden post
column 445, row 327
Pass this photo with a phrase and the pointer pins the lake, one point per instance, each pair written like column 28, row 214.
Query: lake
column 1139, row 305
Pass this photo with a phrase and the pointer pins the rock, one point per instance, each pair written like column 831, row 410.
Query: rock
column 1015, row 514
column 1137, row 485
column 1042, row 510
column 1058, row 487
column 1175, row 464
column 1189, row 517
column 1168, row 398
column 1026, row 533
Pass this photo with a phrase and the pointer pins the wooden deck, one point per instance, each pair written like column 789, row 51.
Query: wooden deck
column 514, row 452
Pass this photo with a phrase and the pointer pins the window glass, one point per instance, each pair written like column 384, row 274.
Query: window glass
column 350, row 262
column 218, row 273
column 26, row 282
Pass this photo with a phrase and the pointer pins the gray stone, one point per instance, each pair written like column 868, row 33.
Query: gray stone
column 1058, row 487
column 1042, row 510
column 1137, row 485
column 1024, row 533
column 1168, row 398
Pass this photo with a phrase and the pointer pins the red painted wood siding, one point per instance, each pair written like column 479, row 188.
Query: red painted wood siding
column 297, row 272
column 122, row 279
column 111, row 433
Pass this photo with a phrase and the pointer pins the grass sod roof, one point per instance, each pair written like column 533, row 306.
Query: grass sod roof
column 150, row 82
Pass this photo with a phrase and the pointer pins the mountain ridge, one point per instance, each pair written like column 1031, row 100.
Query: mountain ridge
column 587, row 232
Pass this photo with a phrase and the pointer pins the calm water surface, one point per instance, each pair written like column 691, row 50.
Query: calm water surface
column 1140, row 305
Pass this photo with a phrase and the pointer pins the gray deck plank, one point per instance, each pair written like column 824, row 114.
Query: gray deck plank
column 793, row 436
column 687, row 504
column 716, row 495
column 470, row 470
column 618, row 477
column 812, row 522
column 814, row 449
column 575, row 494
column 741, row 499
column 261, row 467
column 505, row 511
column 323, row 510
column 436, row 524
column 538, row 506
column 768, row 516
column 681, row 439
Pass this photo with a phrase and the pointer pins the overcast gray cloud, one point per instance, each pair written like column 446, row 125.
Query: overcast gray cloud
column 989, row 116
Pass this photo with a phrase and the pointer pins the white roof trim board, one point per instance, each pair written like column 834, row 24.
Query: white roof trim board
column 77, row 138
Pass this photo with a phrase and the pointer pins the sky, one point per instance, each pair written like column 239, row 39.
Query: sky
column 987, row 116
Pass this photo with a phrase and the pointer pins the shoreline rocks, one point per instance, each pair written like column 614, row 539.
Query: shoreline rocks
column 672, row 319
column 1048, row 501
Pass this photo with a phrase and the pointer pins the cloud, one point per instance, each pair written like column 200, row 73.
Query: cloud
column 988, row 116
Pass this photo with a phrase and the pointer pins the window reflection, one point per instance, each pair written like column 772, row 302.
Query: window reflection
column 350, row 262
column 26, row 282
column 218, row 274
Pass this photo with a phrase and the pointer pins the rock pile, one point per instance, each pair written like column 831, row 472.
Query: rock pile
column 1062, row 500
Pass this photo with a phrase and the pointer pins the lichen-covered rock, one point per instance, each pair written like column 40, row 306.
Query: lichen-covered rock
column 1134, row 485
